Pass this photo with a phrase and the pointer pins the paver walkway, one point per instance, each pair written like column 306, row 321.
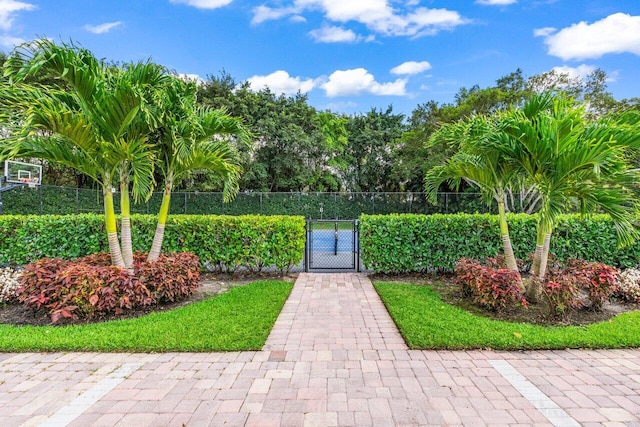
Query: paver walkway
column 333, row 358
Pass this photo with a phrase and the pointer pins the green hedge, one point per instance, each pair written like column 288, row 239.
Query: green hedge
column 417, row 243
column 223, row 243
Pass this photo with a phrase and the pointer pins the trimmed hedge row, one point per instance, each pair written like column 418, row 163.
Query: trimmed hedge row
column 417, row 243
column 223, row 243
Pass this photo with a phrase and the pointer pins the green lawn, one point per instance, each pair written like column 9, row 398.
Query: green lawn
column 240, row 319
column 426, row 322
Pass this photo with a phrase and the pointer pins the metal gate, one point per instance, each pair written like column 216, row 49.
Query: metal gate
column 332, row 245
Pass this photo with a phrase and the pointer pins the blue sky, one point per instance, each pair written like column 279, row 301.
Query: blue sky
column 349, row 55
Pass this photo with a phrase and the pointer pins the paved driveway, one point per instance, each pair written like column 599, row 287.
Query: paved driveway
column 334, row 357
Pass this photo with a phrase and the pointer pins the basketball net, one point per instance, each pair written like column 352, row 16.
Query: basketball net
column 31, row 182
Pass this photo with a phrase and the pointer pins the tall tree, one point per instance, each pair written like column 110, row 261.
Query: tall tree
column 97, row 125
column 191, row 139
column 369, row 154
column 479, row 163
column 296, row 148
column 568, row 158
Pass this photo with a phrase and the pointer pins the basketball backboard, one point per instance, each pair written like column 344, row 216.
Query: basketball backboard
column 22, row 173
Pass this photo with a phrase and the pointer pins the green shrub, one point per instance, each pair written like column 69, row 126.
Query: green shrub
column 223, row 243
column 417, row 243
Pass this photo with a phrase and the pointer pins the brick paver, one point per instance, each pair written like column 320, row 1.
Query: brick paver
column 334, row 357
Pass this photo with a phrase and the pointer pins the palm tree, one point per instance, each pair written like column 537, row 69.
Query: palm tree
column 193, row 139
column 97, row 123
column 569, row 159
column 478, row 163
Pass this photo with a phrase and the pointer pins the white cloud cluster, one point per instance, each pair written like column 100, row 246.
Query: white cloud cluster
column 581, row 72
column 377, row 15
column 8, row 9
column 190, row 77
column 102, row 28
column 357, row 81
column 204, row 4
column 281, row 82
column 330, row 34
column 352, row 82
column 411, row 67
column 617, row 33
column 496, row 2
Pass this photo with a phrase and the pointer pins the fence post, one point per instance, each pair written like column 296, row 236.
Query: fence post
column 185, row 202
column 261, row 203
column 40, row 194
column 77, row 201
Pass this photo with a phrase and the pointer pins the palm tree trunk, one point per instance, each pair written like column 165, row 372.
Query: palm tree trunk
column 125, row 212
column 534, row 288
column 545, row 255
column 163, row 214
column 509, row 256
column 537, row 255
column 112, row 230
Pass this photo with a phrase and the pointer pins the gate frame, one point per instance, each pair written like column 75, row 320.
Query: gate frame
column 308, row 244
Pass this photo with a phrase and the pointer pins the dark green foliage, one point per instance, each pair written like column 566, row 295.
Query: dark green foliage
column 65, row 201
column 416, row 243
column 223, row 243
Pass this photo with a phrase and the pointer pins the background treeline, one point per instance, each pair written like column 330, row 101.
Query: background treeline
column 299, row 148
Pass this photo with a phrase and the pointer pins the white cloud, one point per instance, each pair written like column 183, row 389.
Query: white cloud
column 339, row 106
column 189, row 77
column 411, row 67
column 617, row 33
column 329, row 34
column 264, row 13
column 298, row 18
column 10, row 42
column 204, row 4
column 543, row 32
column 102, row 28
column 580, row 72
column 377, row 15
column 359, row 80
column 281, row 82
column 8, row 9
column 496, row 2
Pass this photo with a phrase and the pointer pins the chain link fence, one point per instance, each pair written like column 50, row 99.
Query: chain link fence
column 47, row 199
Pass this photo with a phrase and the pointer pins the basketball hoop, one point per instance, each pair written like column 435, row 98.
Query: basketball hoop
column 31, row 182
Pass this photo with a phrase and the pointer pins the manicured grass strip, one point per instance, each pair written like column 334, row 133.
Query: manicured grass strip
column 239, row 319
column 426, row 322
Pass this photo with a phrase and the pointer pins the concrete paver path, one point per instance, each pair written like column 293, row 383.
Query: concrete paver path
column 334, row 357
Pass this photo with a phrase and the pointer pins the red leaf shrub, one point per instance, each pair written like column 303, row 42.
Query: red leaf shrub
column 90, row 287
column 600, row 280
column 562, row 296
column 565, row 282
column 500, row 262
column 172, row 278
column 496, row 289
